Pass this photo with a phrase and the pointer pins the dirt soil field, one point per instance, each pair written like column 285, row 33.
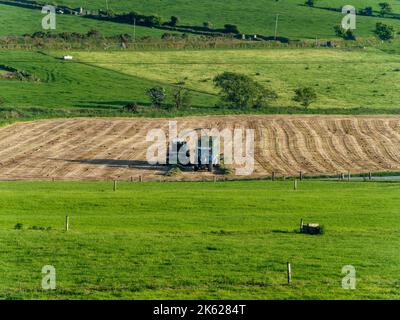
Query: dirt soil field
column 102, row 149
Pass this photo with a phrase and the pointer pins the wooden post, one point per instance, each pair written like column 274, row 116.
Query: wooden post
column 215, row 179
column 348, row 176
column 289, row 273
column 66, row 223
column 115, row 186
column 140, row 179
column 295, row 184
column 342, row 176
column 131, row 179
column 370, row 175
column 301, row 176
column 273, row 175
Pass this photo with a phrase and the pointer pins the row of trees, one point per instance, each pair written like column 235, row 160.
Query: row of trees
column 383, row 31
column 235, row 90
column 385, row 8
column 240, row 91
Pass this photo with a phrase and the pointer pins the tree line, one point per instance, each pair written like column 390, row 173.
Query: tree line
column 236, row 91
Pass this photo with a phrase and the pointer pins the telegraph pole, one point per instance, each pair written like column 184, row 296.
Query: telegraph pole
column 276, row 25
column 134, row 29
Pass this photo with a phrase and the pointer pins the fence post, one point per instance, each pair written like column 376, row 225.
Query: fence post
column 295, row 184
column 348, row 176
column 115, row 186
column 66, row 223
column 273, row 175
column 301, row 176
column 370, row 175
column 289, row 273
column 140, row 179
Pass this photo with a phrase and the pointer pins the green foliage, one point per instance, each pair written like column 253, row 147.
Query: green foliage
column 345, row 34
column 181, row 96
column 231, row 28
column 386, row 8
column 174, row 21
column 18, row 226
column 153, row 21
column 305, row 96
column 207, row 25
column 240, row 91
column 384, row 32
column 157, row 96
column 367, row 11
column 310, row 3
column 132, row 107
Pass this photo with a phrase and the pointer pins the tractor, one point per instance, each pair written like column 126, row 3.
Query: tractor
column 175, row 147
column 207, row 154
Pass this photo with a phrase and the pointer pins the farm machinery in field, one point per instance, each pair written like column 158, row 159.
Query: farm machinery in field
column 204, row 156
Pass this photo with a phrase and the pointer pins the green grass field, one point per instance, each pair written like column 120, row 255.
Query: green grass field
column 343, row 79
column 228, row 240
column 251, row 16
column 20, row 21
column 68, row 85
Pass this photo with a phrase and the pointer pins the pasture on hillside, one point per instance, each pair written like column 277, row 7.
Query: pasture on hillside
column 17, row 21
column 252, row 16
column 224, row 240
column 343, row 79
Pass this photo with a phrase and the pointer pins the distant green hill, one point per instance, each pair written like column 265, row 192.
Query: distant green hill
column 251, row 16
column 19, row 21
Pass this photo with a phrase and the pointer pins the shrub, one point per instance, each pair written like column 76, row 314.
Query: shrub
column 386, row 8
column 174, row 171
column 231, row 28
column 345, row 34
column 174, row 21
column 310, row 3
column 18, row 226
column 305, row 96
column 367, row 11
column 207, row 25
column 157, row 96
column 241, row 91
column 94, row 34
column 384, row 31
column 181, row 96
column 131, row 107
column 152, row 21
